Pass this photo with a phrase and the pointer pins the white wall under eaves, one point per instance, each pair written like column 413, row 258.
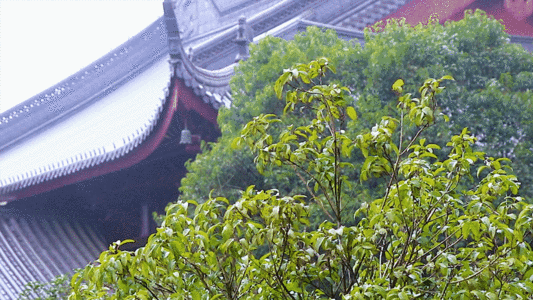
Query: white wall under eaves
column 103, row 131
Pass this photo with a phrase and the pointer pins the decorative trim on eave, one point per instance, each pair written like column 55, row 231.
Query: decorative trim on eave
column 84, row 87
column 211, row 86
column 94, row 70
column 86, row 160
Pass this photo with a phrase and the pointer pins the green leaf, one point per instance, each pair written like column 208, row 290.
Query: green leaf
column 280, row 83
column 403, row 296
column 351, row 113
column 397, row 86
column 481, row 169
column 449, row 77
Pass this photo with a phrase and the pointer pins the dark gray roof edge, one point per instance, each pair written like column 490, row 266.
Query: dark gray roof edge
column 207, row 52
column 231, row 9
column 341, row 32
column 361, row 6
column 146, row 47
column 37, row 250
column 87, row 70
column 213, row 85
column 63, row 98
column 85, row 160
column 521, row 39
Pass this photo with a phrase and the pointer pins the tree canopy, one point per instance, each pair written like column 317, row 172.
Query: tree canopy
column 433, row 233
column 491, row 96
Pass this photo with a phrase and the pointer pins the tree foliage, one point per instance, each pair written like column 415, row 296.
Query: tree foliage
column 225, row 170
column 58, row 288
column 491, row 96
column 433, row 233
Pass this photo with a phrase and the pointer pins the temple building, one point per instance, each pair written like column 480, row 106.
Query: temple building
column 87, row 161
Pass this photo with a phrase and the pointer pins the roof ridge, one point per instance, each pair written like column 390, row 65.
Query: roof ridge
column 91, row 70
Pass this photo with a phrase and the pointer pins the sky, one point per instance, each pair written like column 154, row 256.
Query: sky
column 44, row 41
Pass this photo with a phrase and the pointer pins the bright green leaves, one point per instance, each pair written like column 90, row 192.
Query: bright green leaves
column 422, row 217
column 57, row 288
column 377, row 146
column 422, row 110
column 423, row 202
column 351, row 113
column 304, row 73
column 436, row 232
column 280, row 83
column 398, row 86
column 317, row 152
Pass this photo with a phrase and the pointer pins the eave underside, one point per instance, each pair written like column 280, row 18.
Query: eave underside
column 105, row 131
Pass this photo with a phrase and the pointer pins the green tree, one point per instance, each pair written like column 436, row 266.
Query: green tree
column 491, row 96
column 225, row 170
column 58, row 288
column 433, row 233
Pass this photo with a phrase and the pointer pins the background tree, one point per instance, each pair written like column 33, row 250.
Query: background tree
column 491, row 96
column 434, row 232
column 227, row 170
column 58, row 288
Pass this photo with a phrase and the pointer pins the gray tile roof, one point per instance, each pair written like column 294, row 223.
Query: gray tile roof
column 367, row 13
column 39, row 248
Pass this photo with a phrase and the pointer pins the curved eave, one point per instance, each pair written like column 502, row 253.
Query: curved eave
column 211, row 86
column 102, row 160
column 193, row 82
column 188, row 100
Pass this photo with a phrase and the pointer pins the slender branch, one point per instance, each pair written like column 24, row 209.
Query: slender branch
column 447, row 284
column 276, row 272
column 200, row 273
column 145, row 285
column 311, row 192
column 446, row 248
column 495, row 260
column 317, row 181
column 413, row 140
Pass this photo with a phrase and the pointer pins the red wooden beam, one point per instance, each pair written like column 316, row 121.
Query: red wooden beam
column 188, row 100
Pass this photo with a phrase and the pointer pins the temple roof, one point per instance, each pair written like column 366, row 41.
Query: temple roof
column 367, row 13
column 82, row 120
column 122, row 118
column 39, row 248
column 105, row 110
